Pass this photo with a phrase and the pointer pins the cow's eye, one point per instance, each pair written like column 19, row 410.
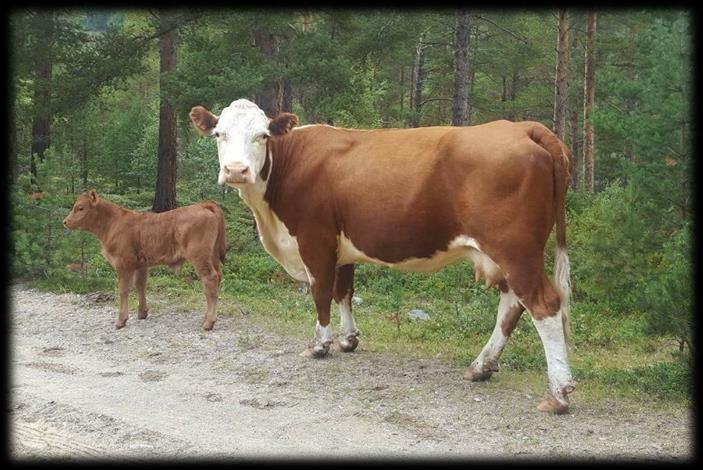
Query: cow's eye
column 217, row 134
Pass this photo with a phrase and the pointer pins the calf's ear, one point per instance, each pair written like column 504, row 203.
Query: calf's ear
column 203, row 120
column 93, row 197
column 282, row 124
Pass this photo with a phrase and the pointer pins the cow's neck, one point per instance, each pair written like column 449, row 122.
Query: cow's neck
column 264, row 198
column 108, row 213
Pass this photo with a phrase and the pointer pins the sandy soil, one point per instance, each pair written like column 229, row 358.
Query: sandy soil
column 162, row 388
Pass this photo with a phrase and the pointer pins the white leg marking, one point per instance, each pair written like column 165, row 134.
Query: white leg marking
column 487, row 360
column 323, row 334
column 551, row 331
column 348, row 325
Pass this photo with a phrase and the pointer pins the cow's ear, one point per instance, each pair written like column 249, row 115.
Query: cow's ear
column 282, row 124
column 203, row 120
column 93, row 197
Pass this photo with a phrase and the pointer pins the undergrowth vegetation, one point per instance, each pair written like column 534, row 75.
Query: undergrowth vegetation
column 616, row 344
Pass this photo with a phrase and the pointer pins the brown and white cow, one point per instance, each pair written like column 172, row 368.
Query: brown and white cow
column 325, row 198
column 133, row 241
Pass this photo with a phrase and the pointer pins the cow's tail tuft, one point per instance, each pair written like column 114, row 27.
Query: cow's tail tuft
column 561, row 156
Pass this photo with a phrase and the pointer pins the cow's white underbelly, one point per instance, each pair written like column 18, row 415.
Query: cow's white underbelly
column 461, row 247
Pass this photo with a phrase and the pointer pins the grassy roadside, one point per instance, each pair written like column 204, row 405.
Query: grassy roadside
column 611, row 358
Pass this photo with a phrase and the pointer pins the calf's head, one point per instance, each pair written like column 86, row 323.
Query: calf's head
column 83, row 212
column 241, row 131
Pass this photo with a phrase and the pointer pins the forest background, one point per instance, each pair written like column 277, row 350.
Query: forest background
column 100, row 99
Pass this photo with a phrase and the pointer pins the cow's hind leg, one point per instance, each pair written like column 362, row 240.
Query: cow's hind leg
column 509, row 311
column 140, row 277
column 211, row 277
column 545, row 308
column 343, row 293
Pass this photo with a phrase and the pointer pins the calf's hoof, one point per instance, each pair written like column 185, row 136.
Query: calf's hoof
column 348, row 343
column 479, row 374
column 208, row 325
column 120, row 324
column 142, row 314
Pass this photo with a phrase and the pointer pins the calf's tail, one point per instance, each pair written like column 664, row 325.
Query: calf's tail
column 221, row 242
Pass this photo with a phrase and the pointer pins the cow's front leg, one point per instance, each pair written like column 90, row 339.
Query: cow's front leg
column 343, row 292
column 125, row 277
column 320, row 268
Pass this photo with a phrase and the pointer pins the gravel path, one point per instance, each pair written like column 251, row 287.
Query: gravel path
column 163, row 388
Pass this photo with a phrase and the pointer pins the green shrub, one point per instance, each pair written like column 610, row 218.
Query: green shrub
column 667, row 298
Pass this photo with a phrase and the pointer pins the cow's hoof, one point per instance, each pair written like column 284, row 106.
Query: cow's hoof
column 142, row 314
column 316, row 351
column 348, row 343
column 120, row 324
column 550, row 404
column 208, row 325
column 477, row 374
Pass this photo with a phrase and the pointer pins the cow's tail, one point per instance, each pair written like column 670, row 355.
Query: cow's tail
column 221, row 242
column 561, row 155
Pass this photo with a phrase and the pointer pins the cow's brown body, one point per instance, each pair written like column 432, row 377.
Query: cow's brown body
column 406, row 193
column 134, row 241
column 326, row 198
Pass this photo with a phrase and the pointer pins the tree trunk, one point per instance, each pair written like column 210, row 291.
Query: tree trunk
column 575, row 147
column 402, row 88
column 419, row 80
column 472, row 74
column 268, row 98
column 589, row 90
column 84, row 163
column 165, row 196
column 561, row 85
column 41, row 124
column 461, row 67
column 514, row 77
column 12, row 177
column 286, row 96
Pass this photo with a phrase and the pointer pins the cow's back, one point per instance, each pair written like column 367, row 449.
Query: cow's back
column 403, row 193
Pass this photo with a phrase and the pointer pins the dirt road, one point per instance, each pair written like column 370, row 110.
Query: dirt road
column 163, row 388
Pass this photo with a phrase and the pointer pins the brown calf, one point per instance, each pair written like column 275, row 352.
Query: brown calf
column 133, row 241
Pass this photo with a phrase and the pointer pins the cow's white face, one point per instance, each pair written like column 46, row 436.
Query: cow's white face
column 241, row 131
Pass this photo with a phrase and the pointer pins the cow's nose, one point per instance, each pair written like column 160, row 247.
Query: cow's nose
column 236, row 172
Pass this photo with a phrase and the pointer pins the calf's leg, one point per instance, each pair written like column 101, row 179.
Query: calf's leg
column 140, row 278
column 124, row 277
column 211, row 277
column 343, row 293
column 509, row 311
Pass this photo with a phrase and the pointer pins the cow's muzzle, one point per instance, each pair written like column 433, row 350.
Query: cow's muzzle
column 237, row 173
